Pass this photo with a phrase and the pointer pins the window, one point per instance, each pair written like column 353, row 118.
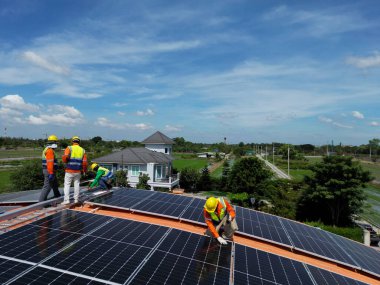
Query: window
column 166, row 150
column 159, row 171
column 135, row 170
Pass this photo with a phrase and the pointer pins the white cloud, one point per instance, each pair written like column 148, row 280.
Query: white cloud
column 364, row 62
column 104, row 122
column 358, row 115
column 148, row 112
column 334, row 123
column 374, row 124
column 16, row 102
column 67, row 89
column 42, row 62
column 170, row 128
column 121, row 113
column 119, row 104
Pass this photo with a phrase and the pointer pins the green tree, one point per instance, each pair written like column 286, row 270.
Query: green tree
column 225, row 173
column 143, row 182
column 28, row 177
column 334, row 192
column 121, row 178
column 189, row 179
column 248, row 175
column 96, row 139
column 204, row 182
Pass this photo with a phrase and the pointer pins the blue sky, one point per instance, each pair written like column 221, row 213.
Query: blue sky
column 250, row 71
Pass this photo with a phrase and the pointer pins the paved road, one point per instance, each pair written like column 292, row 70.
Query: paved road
column 275, row 169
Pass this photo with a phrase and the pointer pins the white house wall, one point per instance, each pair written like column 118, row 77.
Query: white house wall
column 159, row 147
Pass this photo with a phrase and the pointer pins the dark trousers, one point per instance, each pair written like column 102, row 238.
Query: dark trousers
column 48, row 185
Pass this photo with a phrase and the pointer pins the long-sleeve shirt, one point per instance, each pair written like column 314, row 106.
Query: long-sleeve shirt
column 49, row 155
column 99, row 174
column 209, row 221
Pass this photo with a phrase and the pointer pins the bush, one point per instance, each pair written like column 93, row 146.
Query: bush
column 189, row 179
column 121, row 178
column 143, row 182
column 240, row 199
column 354, row 233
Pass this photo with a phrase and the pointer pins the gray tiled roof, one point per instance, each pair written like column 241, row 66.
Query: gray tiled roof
column 138, row 155
column 158, row 138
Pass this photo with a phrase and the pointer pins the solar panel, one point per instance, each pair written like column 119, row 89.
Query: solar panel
column 33, row 243
column 10, row 268
column 194, row 213
column 122, row 198
column 40, row 275
column 186, row 258
column 163, row 204
column 261, row 225
column 324, row 277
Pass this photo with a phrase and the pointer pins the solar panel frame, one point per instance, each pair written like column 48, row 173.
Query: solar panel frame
column 194, row 212
column 9, row 269
column 262, row 226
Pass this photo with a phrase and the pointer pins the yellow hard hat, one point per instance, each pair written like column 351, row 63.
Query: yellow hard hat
column 52, row 138
column 93, row 165
column 75, row 139
column 211, row 204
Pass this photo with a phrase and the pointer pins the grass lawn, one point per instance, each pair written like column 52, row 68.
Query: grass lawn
column 22, row 152
column 373, row 168
column 5, row 181
column 371, row 209
column 198, row 163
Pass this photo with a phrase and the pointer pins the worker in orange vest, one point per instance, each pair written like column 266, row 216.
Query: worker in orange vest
column 49, row 167
column 76, row 164
column 220, row 219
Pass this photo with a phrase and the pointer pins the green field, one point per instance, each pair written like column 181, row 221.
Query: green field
column 373, row 168
column 22, row 152
column 371, row 210
column 196, row 163
column 5, row 180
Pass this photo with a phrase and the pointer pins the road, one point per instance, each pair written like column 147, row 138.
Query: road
column 275, row 169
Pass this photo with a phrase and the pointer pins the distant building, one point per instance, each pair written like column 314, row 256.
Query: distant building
column 154, row 159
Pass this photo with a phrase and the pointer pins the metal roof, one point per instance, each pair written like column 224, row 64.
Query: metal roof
column 158, row 138
column 135, row 155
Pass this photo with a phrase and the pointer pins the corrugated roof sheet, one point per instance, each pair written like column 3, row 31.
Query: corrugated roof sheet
column 158, row 138
column 135, row 155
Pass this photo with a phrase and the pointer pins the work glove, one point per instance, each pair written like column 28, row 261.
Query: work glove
column 51, row 177
column 230, row 218
column 222, row 241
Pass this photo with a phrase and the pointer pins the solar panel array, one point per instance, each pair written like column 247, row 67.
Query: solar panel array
column 253, row 224
column 72, row 247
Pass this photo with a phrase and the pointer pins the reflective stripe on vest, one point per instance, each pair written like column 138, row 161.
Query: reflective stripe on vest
column 44, row 162
column 107, row 173
column 214, row 216
column 76, row 158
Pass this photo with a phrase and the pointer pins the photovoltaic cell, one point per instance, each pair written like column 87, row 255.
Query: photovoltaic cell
column 40, row 275
column 194, row 212
column 261, row 225
column 33, row 243
column 122, row 198
column 324, row 277
column 9, row 269
column 163, row 204
column 254, row 266
column 186, row 258
column 73, row 221
column 100, row 258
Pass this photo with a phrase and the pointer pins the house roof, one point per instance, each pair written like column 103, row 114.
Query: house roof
column 158, row 138
column 137, row 155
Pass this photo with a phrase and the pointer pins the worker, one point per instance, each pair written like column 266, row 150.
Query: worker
column 220, row 219
column 49, row 168
column 103, row 177
column 76, row 163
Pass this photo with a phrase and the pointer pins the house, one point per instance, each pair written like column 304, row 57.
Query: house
column 154, row 159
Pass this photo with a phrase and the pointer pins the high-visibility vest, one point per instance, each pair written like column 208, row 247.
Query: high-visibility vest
column 44, row 161
column 214, row 216
column 76, row 157
column 108, row 174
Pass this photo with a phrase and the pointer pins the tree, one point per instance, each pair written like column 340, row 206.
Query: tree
column 225, row 173
column 96, row 139
column 121, row 178
column 28, row 177
column 189, row 179
column 143, row 182
column 248, row 175
column 204, row 182
column 334, row 192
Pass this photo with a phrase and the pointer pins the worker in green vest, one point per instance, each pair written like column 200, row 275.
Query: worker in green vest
column 103, row 177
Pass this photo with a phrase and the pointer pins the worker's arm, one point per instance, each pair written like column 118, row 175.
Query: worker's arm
column 66, row 155
column 49, row 155
column 230, row 209
column 84, row 163
column 96, row 180
column 210, row 224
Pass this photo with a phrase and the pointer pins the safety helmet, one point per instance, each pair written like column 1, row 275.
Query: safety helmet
column 94, row 165
column 75, row 139
column 211, row 204
column 52, row 138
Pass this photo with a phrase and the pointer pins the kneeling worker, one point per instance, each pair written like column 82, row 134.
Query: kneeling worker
column 103, row 177
column 220, row 219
